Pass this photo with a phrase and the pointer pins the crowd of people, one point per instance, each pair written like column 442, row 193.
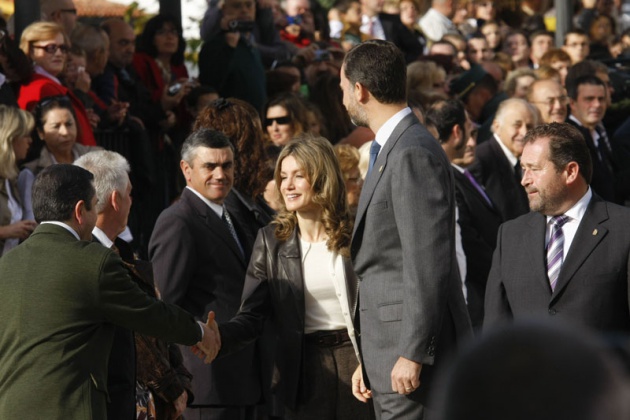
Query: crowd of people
column 347, row 194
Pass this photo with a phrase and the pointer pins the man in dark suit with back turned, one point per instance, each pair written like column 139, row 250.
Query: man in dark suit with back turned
column 478, row 217
column 569, row 258
column 200, row 255
column 61, row 297
column 411, row 305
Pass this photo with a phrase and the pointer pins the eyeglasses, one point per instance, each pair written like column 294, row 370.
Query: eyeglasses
column 73, row 11
column 52, row 48
column 562, row 100
column 279, row 120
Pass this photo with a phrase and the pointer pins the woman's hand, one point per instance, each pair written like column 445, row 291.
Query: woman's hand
column 20, row 230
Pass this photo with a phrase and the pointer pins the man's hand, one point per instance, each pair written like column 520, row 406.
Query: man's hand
column 210, row 345
column 359, row 390
column 180, row 405
column 406, row 376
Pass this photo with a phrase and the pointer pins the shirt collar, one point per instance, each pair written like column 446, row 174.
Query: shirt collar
column 508, row 153
column 40, row 70
column 102, row 238
column 387, row 129
column 577, row 211
column 217, row 208
column 458, row 168
column 63, row 225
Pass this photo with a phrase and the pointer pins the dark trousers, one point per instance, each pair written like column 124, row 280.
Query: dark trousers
column 221, row 413
column 328, row 391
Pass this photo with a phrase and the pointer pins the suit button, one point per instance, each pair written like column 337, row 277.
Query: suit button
column 552, row 312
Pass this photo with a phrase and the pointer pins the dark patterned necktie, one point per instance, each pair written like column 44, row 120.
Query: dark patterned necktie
column 228, row 222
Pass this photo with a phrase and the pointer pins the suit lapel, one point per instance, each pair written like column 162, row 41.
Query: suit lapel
column 534, row 247
column 379, row 166
column 212, row 221
column 290, row 261
column 472, row 191
column 589, row 234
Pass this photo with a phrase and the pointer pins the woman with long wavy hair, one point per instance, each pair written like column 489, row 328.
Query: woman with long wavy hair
column 240, row 122
column 300, row 279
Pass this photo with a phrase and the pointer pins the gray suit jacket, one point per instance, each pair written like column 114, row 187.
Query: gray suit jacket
column 403, row 251
column 592, row 288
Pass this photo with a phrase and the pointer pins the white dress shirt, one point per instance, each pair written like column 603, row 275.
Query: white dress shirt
column 570, row 228
column 387, row 129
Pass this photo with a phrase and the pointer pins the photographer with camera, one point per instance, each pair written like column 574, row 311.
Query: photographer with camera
column 230, row 60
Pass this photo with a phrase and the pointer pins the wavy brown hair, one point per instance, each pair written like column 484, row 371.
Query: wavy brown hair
column 240, row 122
column 316, row 157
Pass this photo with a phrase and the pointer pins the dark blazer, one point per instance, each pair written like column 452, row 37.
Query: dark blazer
column 198, row 266
column 403, row 252
column 401, row 36
column 603, row 181
column 60, row 301
column 493, row 170
column 479, row 223
column 274, row 289
column 592, row 288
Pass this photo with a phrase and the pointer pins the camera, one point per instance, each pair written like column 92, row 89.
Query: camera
column 242, row 26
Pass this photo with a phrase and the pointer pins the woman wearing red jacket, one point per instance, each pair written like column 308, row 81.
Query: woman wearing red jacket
column 47, row 46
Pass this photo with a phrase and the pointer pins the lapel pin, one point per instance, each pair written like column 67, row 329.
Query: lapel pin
column 380, row 169
column 594, row 232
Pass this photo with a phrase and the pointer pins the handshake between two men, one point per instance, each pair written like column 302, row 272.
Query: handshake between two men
column 210, row 344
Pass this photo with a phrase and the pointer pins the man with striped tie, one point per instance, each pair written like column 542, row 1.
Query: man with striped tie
column 569, row 258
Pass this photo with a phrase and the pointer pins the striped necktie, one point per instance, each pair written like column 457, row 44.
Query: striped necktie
column 555, row 249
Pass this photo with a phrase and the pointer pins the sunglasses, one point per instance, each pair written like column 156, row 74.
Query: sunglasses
column 52, row 48
column 279, row 120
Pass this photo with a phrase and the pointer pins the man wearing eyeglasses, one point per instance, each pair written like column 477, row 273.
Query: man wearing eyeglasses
column 550, row 98
column 62, row 12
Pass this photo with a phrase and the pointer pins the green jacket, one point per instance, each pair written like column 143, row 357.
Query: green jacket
column 59, row 301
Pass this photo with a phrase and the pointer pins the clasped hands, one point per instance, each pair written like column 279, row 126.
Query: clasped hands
column 210, row 344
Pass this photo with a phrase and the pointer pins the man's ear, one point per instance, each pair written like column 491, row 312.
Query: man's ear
column 185, row 167
column 456, row 132
column 79, row 209
column 361, row 94
column 114, row 200
column 573, row 172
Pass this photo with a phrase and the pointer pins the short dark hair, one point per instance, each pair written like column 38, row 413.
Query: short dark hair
column 204, row 137
column 566, row 144
column 588, row 79
column 380, row 67
column 584, row 68
column 574, row 31
column 444, row 115
column 540, row 32
column 58, row 188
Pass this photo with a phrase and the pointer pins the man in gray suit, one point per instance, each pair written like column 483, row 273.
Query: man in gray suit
column 411, row 304
column 569, row 258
